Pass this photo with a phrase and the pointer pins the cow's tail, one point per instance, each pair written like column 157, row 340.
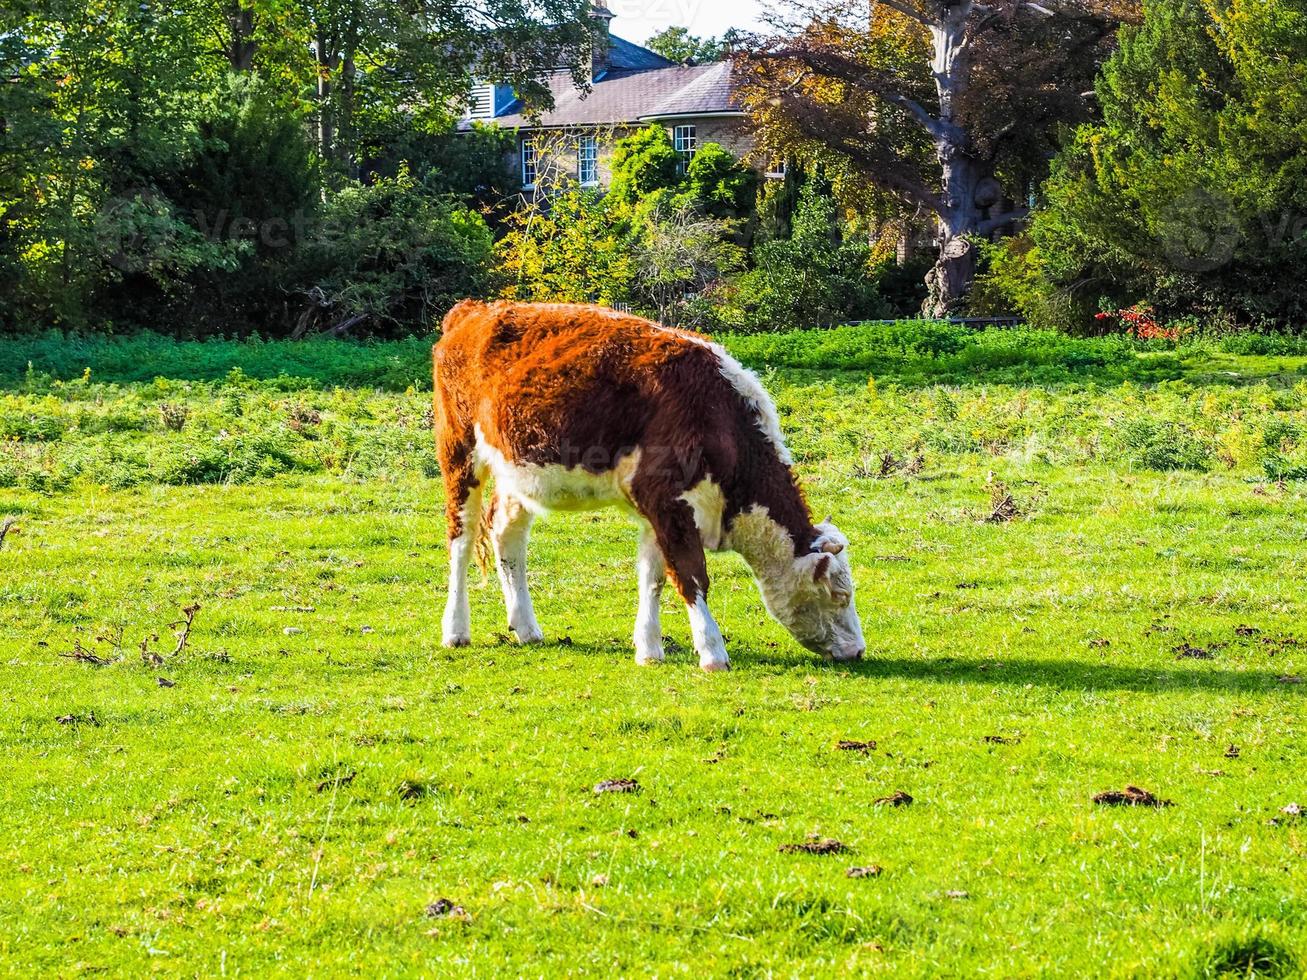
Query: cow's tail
column 483, row 549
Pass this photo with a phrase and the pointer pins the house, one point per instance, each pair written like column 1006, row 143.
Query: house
column 631, row 88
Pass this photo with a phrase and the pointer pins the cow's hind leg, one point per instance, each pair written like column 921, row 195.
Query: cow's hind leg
column 463, row 519
column 652, row 570
column 510, row 531
column 678, row 538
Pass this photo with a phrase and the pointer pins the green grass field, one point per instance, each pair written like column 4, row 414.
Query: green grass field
column 1080, row 567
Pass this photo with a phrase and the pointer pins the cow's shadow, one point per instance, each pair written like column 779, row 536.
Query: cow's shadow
column 1076, row 675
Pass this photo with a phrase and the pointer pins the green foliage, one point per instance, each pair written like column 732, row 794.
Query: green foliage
column 165, row 167
column 681, row 256
column 678, row 44
column 1160, row 445
column 815, row 276
column 719, row 184
column 471, row 165
column 642, row 163
column 396, row 254
column 578, row 249
column 658, row 241
column 1013, row 279
column 1188, row 194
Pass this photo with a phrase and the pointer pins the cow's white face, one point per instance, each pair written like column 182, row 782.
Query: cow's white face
column 812, row 595
column 822, row 615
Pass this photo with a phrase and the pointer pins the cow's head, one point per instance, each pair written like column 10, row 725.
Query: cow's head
column 814, row 599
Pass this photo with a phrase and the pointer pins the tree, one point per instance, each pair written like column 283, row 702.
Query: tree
column 642, row 163
column 678, row 44
column 575, row 248
column 719, row 184
column 816, row 275
column 941, row 107
column 655, row 241
column 373, row 61
column 103, row 92
column 393, row 255
column 680, row 251
column 1188, row 194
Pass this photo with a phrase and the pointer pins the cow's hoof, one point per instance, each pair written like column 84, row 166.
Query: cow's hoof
column 528, row 634
column 649, row 659
column 456, row 641
column 712, row 666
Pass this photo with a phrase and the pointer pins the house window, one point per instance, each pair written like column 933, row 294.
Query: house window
column 481, row 102
column 528, row 163
column 685, row 141
column 587, row 161
column 777, row 169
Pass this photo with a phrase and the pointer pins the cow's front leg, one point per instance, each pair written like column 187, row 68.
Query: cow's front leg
column 652, row 573
column 510, row 531
column 678, row 538
column 708, row 641
column 464, row 520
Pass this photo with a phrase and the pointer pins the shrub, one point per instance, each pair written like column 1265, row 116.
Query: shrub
column 394, row 255
column 719, row 184
column 1160, row 445
column 642, row 163
column 815, row 276
column 579, row 249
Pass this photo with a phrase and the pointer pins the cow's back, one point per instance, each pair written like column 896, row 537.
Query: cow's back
column 552, row 383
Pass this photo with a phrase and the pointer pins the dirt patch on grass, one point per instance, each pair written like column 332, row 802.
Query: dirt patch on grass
column 1130, row 796
column 444, row 908
column 86, row 719
column 865, row 871
column 897, row 798
column 1187, row 651
column 413, row 790
column 849, row 745
column 816, row 844
column 339, row 779
column 617, row 786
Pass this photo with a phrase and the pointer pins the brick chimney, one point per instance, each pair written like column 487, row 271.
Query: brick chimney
column 600, row 17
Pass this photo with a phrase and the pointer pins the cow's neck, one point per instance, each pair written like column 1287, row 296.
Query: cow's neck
column 769, row 550
column 771, row 525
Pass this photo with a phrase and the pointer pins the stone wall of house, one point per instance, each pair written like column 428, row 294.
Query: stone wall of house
column 731, row 132
column 557, row 157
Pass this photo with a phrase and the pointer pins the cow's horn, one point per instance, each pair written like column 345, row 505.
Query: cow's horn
column 832, row 547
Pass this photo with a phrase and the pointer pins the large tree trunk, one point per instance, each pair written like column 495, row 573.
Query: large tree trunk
column 950, row 280
column 948, row 283
column 241, row 48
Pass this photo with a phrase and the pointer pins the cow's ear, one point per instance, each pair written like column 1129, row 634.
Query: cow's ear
column 821, row 568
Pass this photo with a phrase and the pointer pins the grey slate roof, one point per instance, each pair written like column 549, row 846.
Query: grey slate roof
column 640, row 85
column 628, row 97
column 623, row 55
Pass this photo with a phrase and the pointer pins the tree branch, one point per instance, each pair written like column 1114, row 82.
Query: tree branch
column 991, row 225
column 844, row 69
column 905, row 10
column 882, row 170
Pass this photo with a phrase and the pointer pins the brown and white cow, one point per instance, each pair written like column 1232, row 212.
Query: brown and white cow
column 577, row 407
